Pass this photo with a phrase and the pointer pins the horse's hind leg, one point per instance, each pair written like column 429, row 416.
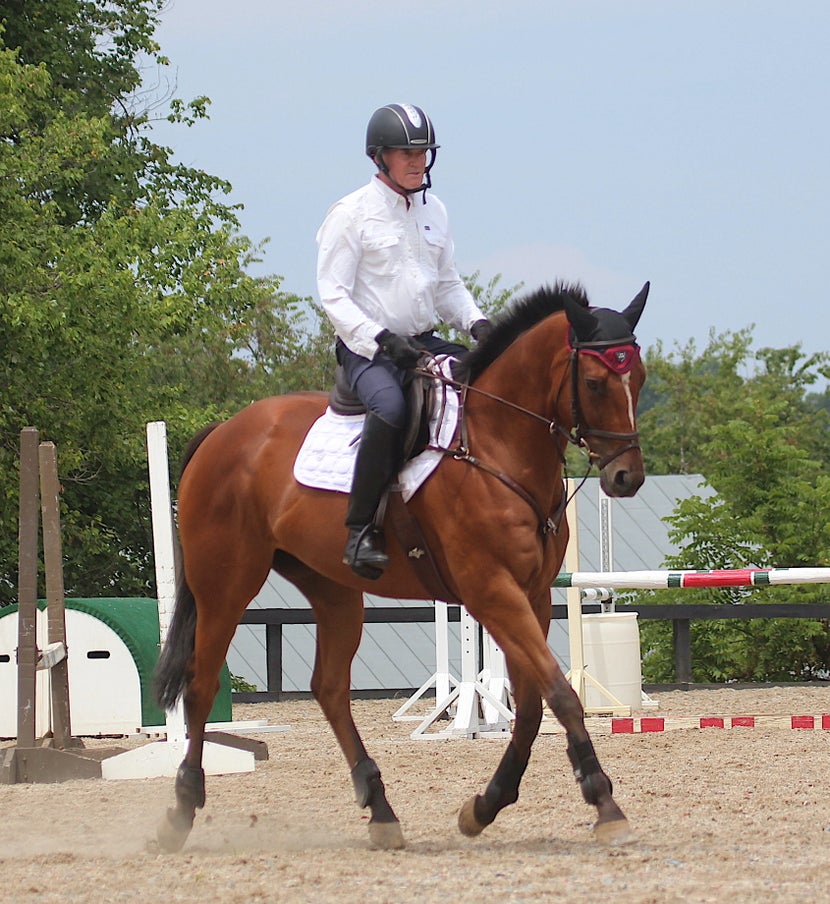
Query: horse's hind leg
column 207, row 661
column 222, row 601
column 339, row 615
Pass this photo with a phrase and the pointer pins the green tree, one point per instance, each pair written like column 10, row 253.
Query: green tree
column 111, row 255
column 688, row 396
column 90, row 50
column 745, row 422
column 282, row 344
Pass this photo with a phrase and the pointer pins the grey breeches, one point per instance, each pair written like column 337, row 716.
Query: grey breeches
column 379, row 384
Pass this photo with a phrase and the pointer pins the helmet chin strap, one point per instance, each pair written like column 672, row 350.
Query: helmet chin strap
column 424, row 186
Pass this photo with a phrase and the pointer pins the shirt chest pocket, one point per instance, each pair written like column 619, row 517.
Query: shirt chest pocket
column 381, row 255
column 434, row 242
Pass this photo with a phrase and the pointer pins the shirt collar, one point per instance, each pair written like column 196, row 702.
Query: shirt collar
column 389, row 195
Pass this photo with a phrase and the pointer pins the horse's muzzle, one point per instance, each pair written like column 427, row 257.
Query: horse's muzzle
column 623, row 474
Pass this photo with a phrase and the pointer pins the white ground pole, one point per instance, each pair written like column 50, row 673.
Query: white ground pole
column 162, row 758
column 448, row 691
column 442, row 679
column 164, row 555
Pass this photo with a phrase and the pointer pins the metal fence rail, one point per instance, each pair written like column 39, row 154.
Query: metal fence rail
column 679, row 614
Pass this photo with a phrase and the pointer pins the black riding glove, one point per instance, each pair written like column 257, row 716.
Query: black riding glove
column 481, row 329
column 400, row 349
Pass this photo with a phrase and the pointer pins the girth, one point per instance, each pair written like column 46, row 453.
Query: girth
column 418, row 554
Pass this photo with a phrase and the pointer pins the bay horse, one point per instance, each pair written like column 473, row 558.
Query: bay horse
column 553, row 371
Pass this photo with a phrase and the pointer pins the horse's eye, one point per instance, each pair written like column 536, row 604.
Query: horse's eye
column 593, row 385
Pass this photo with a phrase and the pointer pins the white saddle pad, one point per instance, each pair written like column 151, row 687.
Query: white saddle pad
column 326, row 458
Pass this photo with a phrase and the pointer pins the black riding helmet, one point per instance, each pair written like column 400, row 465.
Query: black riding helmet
column 401, row 126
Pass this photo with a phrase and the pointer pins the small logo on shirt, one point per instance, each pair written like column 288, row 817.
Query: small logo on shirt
column 426, row 228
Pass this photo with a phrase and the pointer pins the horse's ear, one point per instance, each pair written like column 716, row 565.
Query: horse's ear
column 584, row 323
column 634, row 311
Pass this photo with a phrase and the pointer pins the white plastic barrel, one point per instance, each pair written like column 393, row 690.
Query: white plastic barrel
column 611, row 641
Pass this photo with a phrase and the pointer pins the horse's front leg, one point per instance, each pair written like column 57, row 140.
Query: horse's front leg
column 532, row 665
column 503, row 789
column 611, row 826
column 481, row 809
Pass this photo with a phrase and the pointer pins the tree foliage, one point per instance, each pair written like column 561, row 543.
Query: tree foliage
column 749, row 424
column 124, row 294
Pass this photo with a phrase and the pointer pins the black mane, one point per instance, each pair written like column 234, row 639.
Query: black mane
column 518, row 318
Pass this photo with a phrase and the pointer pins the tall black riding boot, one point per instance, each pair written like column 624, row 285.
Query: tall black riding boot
column 378, row 458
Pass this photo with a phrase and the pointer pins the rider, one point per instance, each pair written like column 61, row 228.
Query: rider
column 386, row 276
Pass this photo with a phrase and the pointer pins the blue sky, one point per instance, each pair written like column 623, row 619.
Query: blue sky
column 606, row 141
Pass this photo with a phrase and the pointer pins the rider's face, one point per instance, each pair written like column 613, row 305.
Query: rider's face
column 406, row 166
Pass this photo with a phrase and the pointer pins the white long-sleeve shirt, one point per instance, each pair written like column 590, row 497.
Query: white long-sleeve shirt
column 384, row 265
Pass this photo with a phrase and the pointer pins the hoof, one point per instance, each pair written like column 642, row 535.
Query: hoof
column 386, row 836
column 467, row 823
column 614, row 833
column 172, row 832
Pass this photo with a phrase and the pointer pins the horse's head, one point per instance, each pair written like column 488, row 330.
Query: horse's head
column 606, row 377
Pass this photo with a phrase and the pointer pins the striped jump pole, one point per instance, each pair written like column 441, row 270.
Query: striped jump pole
column 601, row 584
column 720, row 577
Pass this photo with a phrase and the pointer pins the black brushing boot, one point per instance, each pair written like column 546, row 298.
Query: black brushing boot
column 378, row 459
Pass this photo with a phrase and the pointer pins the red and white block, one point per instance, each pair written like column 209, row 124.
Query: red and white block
column 649, row 724
column 622, row 725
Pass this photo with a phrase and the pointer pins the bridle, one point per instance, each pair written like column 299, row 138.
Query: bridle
column 577, row 435
column 604, row 350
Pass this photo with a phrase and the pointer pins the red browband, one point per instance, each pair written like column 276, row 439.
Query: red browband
column 618, row 358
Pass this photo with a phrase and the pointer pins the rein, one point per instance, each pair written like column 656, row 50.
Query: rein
column 462, row 453
column 576, row 436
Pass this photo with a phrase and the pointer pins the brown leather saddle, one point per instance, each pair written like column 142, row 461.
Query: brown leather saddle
column 420, row 398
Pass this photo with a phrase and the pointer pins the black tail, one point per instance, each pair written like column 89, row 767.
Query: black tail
column 171, row 673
